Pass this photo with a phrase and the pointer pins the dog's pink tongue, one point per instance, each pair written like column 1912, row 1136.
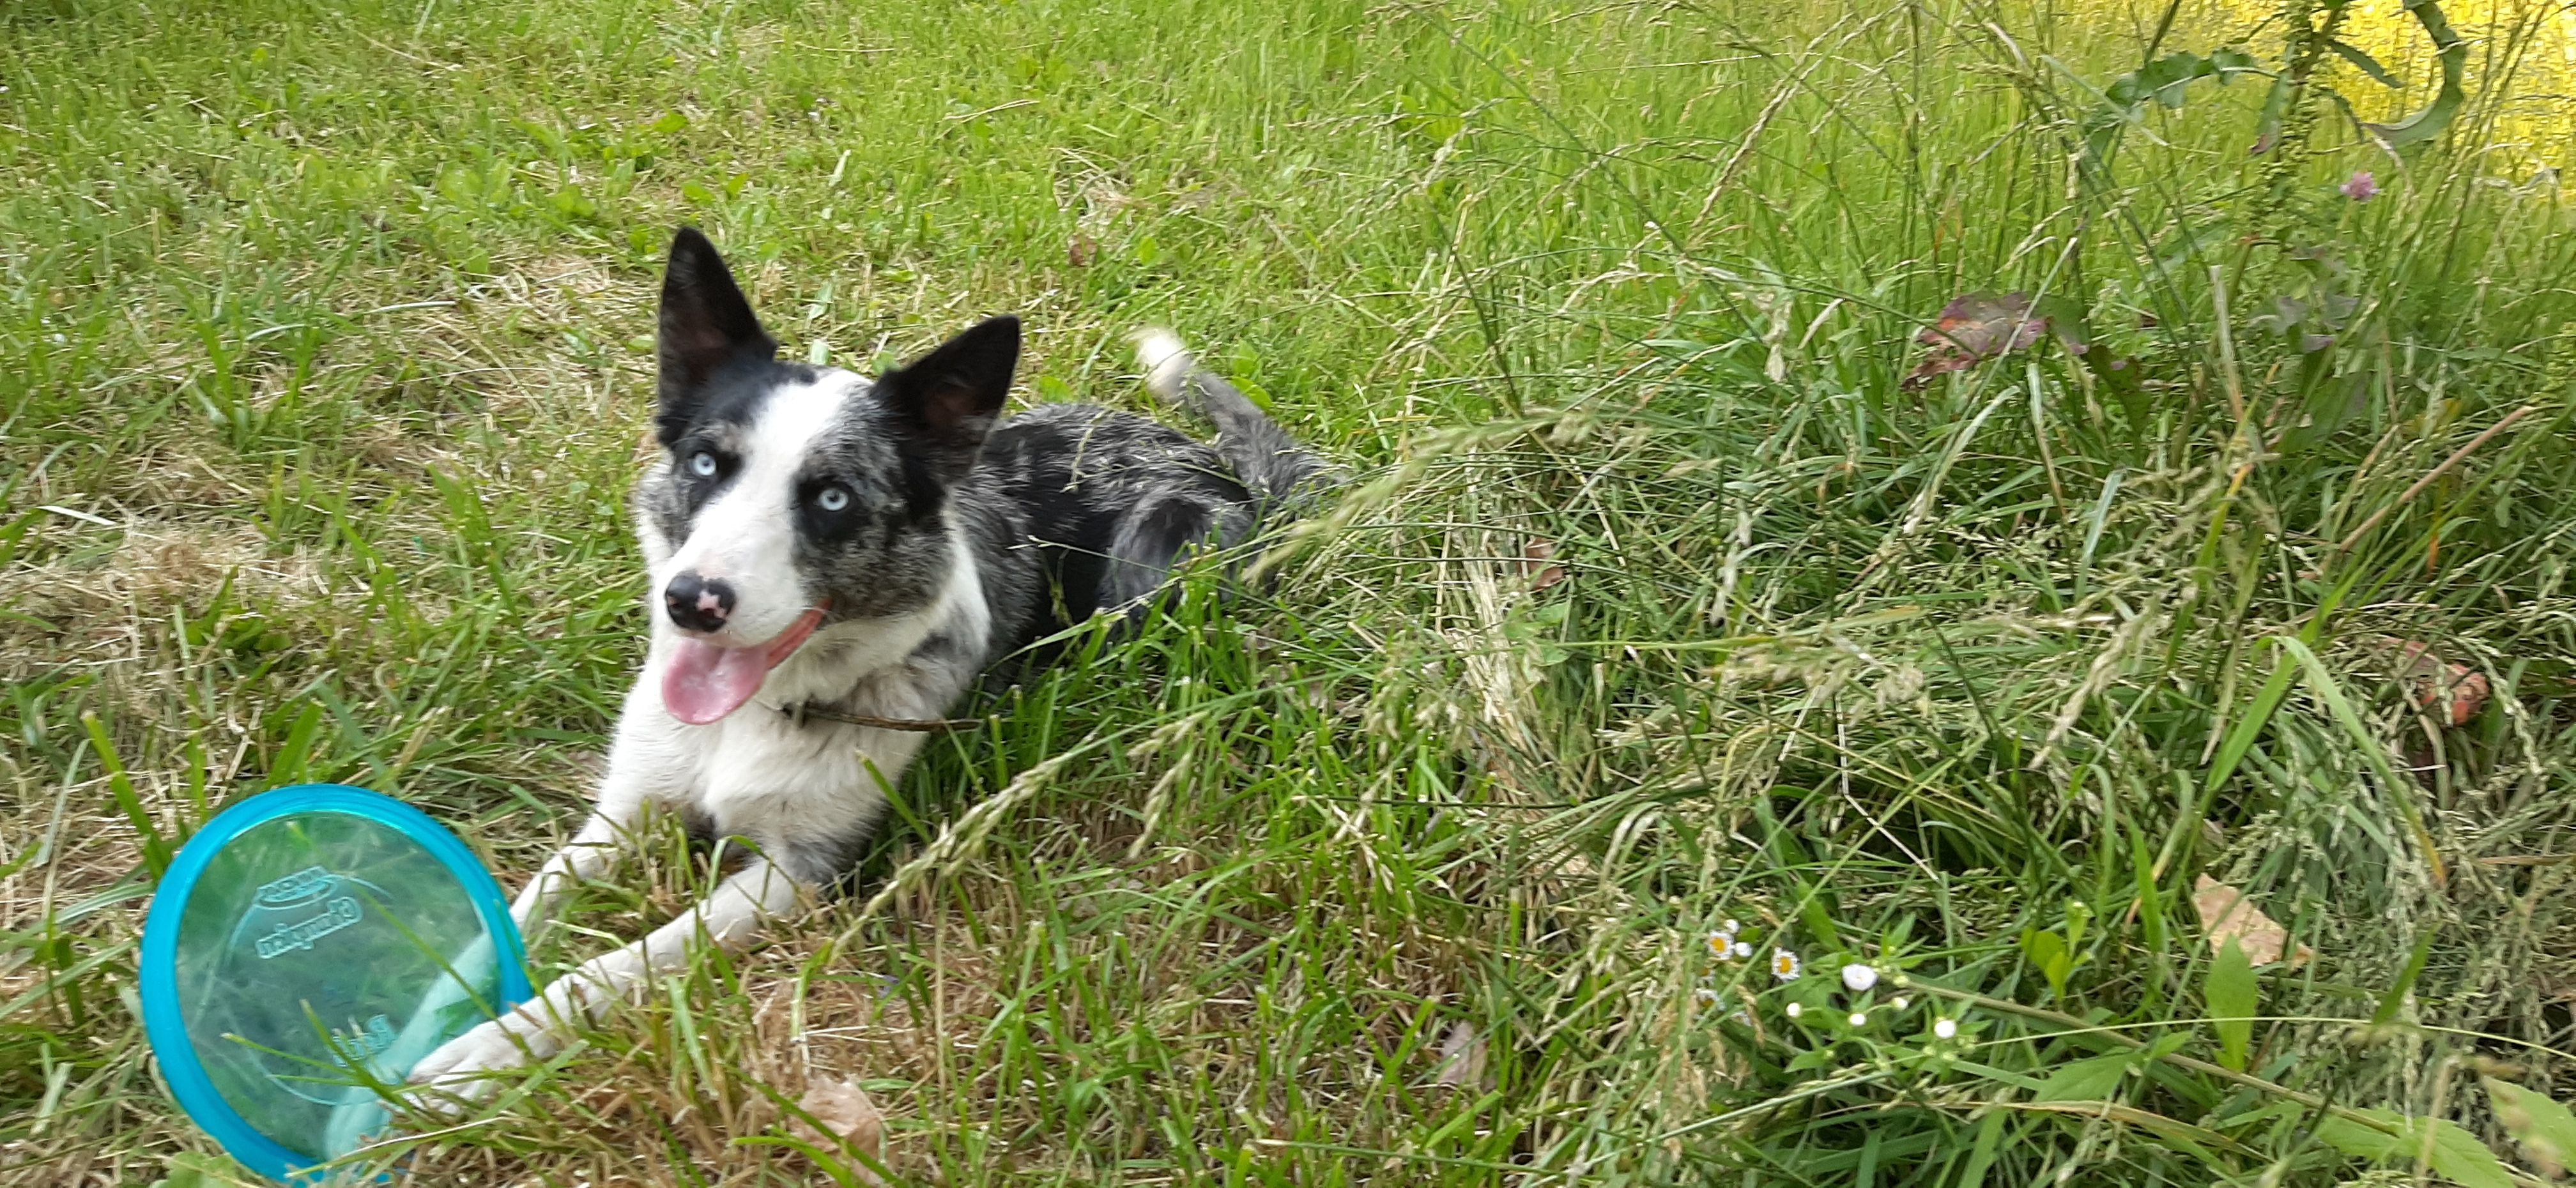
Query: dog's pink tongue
column 704, row 682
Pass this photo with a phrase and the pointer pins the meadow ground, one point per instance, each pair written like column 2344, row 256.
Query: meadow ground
column 1681, row 589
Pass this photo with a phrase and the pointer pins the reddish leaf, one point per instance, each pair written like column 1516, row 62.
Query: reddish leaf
column 1535, row 564
column 1973, row 328
column 2455, row 691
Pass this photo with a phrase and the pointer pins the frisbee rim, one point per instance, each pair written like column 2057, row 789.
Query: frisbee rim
column 167, row 1033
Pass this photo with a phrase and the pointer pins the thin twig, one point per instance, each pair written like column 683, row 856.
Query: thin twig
column 2436, row 472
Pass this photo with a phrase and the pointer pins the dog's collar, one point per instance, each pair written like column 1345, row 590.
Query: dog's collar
column 804, row 712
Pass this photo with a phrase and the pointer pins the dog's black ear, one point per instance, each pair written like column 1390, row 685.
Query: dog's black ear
column 706, row 325
column 948, row 399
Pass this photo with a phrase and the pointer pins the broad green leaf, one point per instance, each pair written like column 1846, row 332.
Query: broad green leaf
column 2048, row 951
column 2163, row 82
column 2086, row 1080
column 2231, row 62
column 1811, row 1059
column 2165, row 1045
column 1812, row 912
column 2231, row 995
column 2361, row 58
column 2543, row 1128
column 2454, row 54
column 2456, row 1154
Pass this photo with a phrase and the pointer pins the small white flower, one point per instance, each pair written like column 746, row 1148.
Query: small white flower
column 1946, row 1029
column 1796, row 1010
column 1704, row 996
column 1722, row 943
column 1859, row 977
column 1859, row 1020
column 1784, row 965
column 1732, row 926
column 1900, row 1002
column 1743, row 950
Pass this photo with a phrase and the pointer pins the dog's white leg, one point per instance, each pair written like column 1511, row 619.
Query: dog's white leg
column 641, row 765
column 581, row 858
column 729, row 917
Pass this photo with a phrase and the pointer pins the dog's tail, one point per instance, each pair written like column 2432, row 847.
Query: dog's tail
column 1274, row 466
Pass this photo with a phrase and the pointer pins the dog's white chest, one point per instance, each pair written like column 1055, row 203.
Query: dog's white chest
column 764, row 775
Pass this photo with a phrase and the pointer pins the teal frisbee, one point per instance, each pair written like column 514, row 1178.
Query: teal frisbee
column 306, row 949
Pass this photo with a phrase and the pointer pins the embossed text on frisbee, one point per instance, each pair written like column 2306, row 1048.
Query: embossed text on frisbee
column 339, row 912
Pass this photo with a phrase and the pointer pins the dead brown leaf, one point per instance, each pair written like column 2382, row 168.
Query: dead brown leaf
column 2225, row 915
column 1975, row 327
column 853, row 1121
column 1081, row 251
column 1462, row 1059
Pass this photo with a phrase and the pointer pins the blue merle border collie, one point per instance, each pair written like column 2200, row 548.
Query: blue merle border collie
column 836, row 561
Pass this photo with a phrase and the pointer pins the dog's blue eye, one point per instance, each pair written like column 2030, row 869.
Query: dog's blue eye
column 832, row 499
column 702, row 464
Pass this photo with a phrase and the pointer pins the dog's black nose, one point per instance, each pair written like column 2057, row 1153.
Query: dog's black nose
column 698, row 603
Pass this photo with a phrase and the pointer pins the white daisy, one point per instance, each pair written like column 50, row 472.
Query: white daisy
column 1859, row 977
column 1743, row 950
column 1796, row 1010
column 1722, row 943
column 1704, row 996
column 1785, row 965
column 1945, row 1029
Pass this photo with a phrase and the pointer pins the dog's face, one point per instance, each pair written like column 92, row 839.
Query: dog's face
column 789, row 497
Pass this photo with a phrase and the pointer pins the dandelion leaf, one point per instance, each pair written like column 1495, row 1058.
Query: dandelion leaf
column 2455, row 1153
column 2231, row 993
column 2541, row 1127
column 2086, row 1080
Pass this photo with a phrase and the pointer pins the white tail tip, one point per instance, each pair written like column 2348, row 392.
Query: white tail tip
column 1164, row 359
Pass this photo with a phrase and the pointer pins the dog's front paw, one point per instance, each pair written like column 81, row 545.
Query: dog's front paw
column 461, row 1071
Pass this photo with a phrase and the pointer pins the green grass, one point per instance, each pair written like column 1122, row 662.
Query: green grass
column 323, row 376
